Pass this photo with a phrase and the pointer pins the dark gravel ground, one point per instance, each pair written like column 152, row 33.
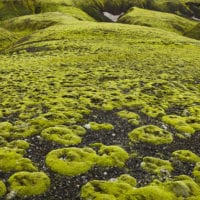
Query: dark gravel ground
column 68, row 188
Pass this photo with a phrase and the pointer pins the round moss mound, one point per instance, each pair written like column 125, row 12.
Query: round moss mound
column 71, row 161
column 156, row 166
column 2, row 189
column 11, row 160
column 151, row 134
column 29, row 183
column 62, row 135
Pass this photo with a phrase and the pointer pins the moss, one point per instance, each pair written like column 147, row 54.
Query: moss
column 111, row 155
column 20, row 144
column 11, row 160
column 5, row 128
column 157, row 166
column 2, row 189
column 3, row 142
column 29, row 183
column 179, row 123
column 133, row 118
column 96, row 126
column 126, row 178
column 62, row 134
column 150, row 134
column 196, row 172
column 194, row 32
column 71, row 161
column 153, row 111
column 162, row 20
column 185, row 156
column 97, row 189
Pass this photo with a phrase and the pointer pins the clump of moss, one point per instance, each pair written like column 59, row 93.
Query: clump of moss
column 112, row 189
column 196, row 172
column 63, row 134
column 151, row 134
column 71, row 161
column 96, row 126
column 20, row 144
column 29, row 183
column 185, row 156
column 157, row 166
column 11, row 160
column 153, row 111
column 133, row 118
column 179, row 123
column 2, row 189
column 111, row 155
column 5, row 128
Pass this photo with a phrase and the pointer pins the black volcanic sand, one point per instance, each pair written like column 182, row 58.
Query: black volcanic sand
column 63, row 187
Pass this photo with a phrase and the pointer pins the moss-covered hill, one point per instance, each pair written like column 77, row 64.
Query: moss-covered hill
column 96, row 110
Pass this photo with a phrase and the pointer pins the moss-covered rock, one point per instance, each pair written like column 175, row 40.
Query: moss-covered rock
column 185, row 156
column 133, row 118
column 71, row 161
column 11, row 160
column 28, row 183
column 196, row 172
column 5, row 128
column 157, row 166
column 2, row 189
column 151, row 134
column 63, row 135
column 153, row 111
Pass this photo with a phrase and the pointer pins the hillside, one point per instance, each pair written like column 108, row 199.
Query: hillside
column 96, row 110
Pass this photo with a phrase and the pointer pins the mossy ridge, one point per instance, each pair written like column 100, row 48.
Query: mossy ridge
column 26, row 184
column 167, row 21
column 157, row 166
column 2, row 189
column 13, row 160
column 150, row 134
column 185, row 156
column 65, row 135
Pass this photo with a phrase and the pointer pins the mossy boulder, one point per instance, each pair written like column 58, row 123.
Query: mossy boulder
column 11, row 160
column 185, row 156
column 151, row 134
column 63, row 134
column 5, row 128
column 157, row 166
column 27, row 184
column 19, row 144
column 2, row 189
column 133, row 118
column 71, row 161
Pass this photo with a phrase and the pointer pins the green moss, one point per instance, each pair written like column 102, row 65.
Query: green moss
column 20, row 144
column 164, row 21
column 96, row 126
column 29, row 183
column 111, row 155
column 112, row 189
column 62, row 134
column 196, row 172
column 179, row 123
column 11, row 160
column 126, row 178
column 150, row 134
column 2, row 189
column 71, row 161
column 5, row 128
column 133, row 118
column 194, row 32
column 157, row 166
column 153, row 111
column 185, row 156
